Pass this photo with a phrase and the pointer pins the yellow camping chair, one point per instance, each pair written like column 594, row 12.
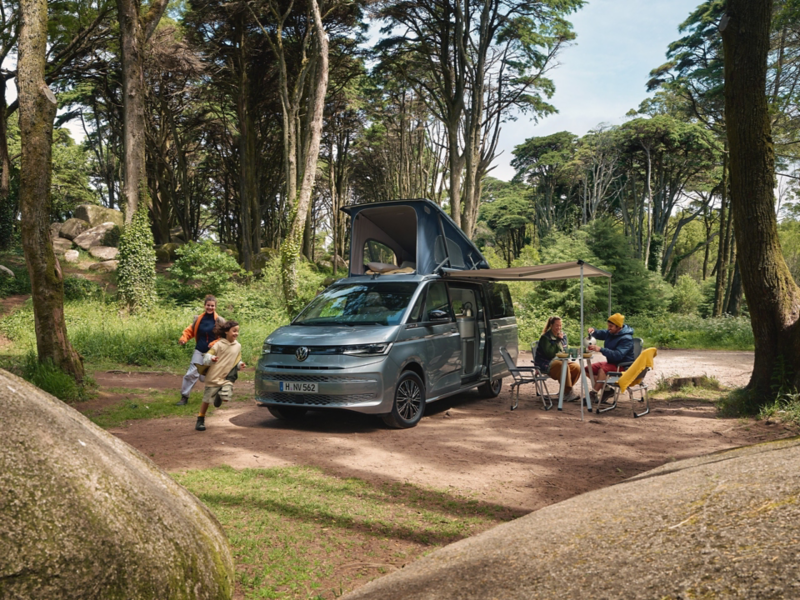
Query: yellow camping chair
column 631, row 381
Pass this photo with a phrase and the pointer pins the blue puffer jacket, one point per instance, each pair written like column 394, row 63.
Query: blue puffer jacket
column 618, row 347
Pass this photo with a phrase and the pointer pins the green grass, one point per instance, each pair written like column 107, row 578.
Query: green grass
column 693, row 332
column 296, row 532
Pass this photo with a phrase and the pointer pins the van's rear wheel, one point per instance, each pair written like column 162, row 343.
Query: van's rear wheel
column 491, row 389
column 287, row 413
column 409, row 402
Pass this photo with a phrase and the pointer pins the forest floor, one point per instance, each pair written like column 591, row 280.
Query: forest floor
column 525, row 459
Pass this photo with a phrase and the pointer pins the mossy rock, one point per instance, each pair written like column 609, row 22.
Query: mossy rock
column 85, row 515
column 167, row 252
column 94, row 215
column 105, row 234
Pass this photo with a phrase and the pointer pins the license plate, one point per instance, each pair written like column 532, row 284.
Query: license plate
column 298, row 387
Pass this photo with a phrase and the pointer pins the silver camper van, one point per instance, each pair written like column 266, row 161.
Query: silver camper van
column 402, row 330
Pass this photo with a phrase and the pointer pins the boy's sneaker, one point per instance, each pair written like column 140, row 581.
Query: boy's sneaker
column 183, row 401
column 201, row 424
column 217, row 401
column 608, row 394
column 571, row 397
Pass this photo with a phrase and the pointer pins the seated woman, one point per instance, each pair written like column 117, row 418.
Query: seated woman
column 553, row 341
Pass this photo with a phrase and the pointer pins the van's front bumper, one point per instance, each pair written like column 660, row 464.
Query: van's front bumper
column 358, row 384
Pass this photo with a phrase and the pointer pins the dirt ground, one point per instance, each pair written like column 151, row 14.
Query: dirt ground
column 523, row 460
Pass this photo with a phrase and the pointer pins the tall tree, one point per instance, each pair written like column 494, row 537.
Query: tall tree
column 772, row 295
column 134, row 29
column 37, row 107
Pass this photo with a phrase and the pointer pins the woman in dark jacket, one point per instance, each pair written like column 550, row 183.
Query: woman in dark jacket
column 553, row 341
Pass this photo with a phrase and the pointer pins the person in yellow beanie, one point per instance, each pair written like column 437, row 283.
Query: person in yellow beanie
column 618, row 348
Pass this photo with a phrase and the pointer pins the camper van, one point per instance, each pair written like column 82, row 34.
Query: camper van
column 401, row 331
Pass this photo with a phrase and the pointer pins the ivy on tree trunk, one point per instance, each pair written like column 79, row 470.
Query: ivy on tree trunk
column 37, row 109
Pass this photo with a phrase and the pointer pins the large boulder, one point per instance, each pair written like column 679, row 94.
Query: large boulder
column 177, row 235
column 61, row 245
column 104, row 252
column 55, row 228
column 72, row 228
column 725, row 525
column 107, row 266
column 95, row 215
column 105, row 234
column 85, row 515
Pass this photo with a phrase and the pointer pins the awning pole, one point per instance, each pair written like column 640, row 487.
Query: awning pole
column 609, row 296
column 583, row 375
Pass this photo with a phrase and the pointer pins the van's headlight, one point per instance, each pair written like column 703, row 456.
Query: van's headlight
column 266, row 348
column 367, row 350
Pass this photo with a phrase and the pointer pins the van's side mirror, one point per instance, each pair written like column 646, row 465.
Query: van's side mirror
column 437, row 315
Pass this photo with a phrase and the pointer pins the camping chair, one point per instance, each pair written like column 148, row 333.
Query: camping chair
column 631, row 381
column 523, row 375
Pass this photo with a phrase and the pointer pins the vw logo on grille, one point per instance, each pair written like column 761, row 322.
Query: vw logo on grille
column 301, row 353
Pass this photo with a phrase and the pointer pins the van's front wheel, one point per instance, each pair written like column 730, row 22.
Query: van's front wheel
column 491, row 389
column 409, row 402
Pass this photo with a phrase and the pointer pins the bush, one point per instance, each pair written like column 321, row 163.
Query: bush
column 205, row 269
column 48, row 377
column 687, row 296
column 136, row 272
column 78, row 288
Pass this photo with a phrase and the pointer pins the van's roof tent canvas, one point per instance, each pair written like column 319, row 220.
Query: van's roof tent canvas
column 419, row 233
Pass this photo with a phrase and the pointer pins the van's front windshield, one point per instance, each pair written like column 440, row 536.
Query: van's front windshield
column 373, row 303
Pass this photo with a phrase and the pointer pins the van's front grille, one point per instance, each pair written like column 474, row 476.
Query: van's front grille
column 314, row 399
column 315, row 378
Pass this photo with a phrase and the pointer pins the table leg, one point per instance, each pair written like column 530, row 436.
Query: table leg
column 564, row 369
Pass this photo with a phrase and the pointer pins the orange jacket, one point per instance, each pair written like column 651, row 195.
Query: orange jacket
column 191, row 330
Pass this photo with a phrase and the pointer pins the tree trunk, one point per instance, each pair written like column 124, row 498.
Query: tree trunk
column 772, row 295
column 7, row 212
column 735, row 303
column 37, row 109
column 719, row 289
column 290, row 249
column 132, row 46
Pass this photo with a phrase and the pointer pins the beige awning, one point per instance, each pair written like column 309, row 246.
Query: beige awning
column 567, row 270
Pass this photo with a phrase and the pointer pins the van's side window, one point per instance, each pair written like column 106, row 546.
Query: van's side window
column 436, row 300
column 501, row 301
column 375, row 251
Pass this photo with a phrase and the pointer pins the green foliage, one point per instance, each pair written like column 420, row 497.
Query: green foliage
column 48, row 377
column 103, row 335
column 78, row 288
column 692, row 331
column 634, row 289
column 136, row 272
column 205, row 268
column 687, row 296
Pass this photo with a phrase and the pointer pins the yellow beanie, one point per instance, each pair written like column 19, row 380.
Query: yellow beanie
column 617, row 319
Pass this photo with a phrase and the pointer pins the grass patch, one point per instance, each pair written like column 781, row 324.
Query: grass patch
column 51, row 379
column 142, row 404
column 694, row 332
column 703, row 388
column 298, row 533
column 785, row 409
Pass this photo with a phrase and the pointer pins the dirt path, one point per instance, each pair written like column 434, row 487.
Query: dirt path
column 524, row 459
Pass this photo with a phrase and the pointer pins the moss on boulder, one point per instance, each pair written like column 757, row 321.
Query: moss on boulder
column 85, row 515
column 95, row 215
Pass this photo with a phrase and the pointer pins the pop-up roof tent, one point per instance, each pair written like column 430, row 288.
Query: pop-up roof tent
column 416, row 234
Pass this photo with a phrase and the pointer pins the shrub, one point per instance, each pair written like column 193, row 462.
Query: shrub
column 136, row 272
column 78, row 288
column 205, row 268
column 48, row 377
column 687, row 296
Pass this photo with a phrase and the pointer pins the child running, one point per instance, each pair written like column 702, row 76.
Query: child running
column 224, row 360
